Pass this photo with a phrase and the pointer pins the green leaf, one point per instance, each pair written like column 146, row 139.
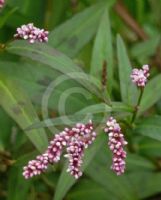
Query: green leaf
column 82, row 116
column 128, row 89
column 121, row 107
column 151, row 94
column 88, row 189
column 43, row 54
column 149, row 147
column 71, row 36
column 6, row 124
column 103, row 51
column 144, row 50
column 18, row 187
column 66, row 181
column 18, row 106
column 150, row 127
column 7, row 15
column 145, row 183
column 35, row 84
column 97, row 108
column 56, row 60
column 136, row 162
column 99, row 170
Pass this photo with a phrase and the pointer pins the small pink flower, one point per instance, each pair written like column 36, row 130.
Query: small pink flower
column 140, row 76
column 31, row 33
column 116, row 144
column 2, row 2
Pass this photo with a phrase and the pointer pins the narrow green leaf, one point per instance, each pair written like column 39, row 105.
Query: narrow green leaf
column 88, row 189
column 6, row 124
column 151, row 94
column 128, row 89
column 66, row 181
column 146, row 183
column 103, row 51
column 71, row 36
column 18, row 106
column 18, row 187
column 56, row 60
column 150, row 127
column 35, row 84
column 136, row 162
column 82, row 116
column 44, row 54
column 149, row 147
column 121, row 107
column 5, row 17
column 102, row 174
column 144, row 50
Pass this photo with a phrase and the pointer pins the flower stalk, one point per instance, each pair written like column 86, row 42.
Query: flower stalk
column 137, row 106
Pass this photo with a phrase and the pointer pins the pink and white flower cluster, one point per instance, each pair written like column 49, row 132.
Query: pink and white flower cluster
column 31, row 33
column 75, row 140
column 140, row 76
column 2, row 3
column 116, row 144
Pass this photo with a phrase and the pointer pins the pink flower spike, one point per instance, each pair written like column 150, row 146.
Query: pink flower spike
column 31, row 33
column 55, row 148
column 36, row 167
column 83, row 137
column 75, row 153
column 75, row 140
column 116, row 144
column 140, row 76
column 2, row 2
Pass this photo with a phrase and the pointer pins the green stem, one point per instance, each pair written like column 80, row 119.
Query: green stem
column 137, row 106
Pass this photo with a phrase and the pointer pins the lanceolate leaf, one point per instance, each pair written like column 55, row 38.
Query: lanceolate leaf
column 35, row 84
column 102, row 52
column 121, row 107
column 81, row 116
column 66, row 181
column 56, row 60
column 150, row 127
column 128, row 90
column 99, row 170
column 88, row 189
column 84, row 115
column 18, row 187
column 18, row 106
column 145, row 49
column 71, row 36
column 151, row 186
column 151, row 94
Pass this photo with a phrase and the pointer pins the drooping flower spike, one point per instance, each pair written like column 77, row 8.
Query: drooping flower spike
column 36, row 167
column 75, row 140
column 84, row 136
column 140, row 76
column 31, row 33
column 2, row 2
column 116, row 144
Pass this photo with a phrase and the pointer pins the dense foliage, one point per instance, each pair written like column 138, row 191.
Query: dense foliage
column 80, row 70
